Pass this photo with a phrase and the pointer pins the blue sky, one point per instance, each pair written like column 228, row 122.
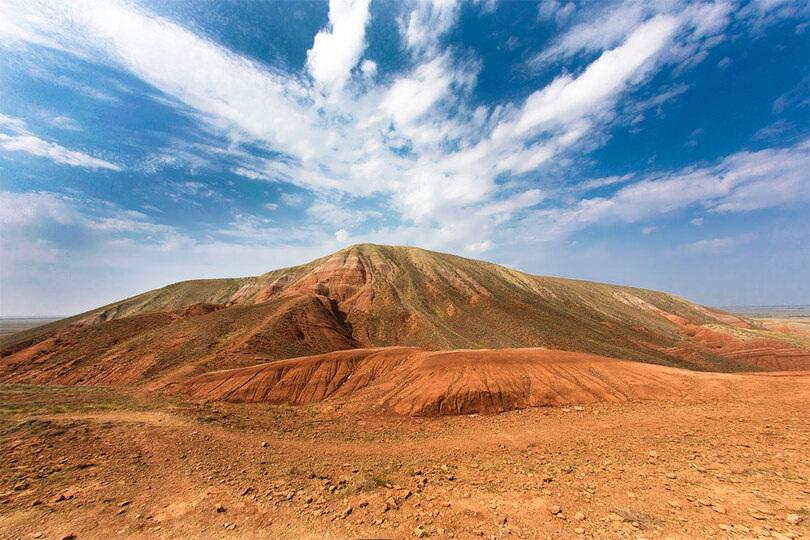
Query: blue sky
column 661, row 144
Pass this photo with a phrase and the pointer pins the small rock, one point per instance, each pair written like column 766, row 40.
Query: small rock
column 21, row 485
column 794, row 519
column 704, row 502
column 345, row 513
column 579, row 530
column 719, row 509
column 124, row 503
column 758, row 516
column 70, row 536
column 36, row 503
column 672, row 476
column 264, row 444
column 579, row 516
column 616, row 518
column 420, row 532
column 219, row 508
column 554, row 510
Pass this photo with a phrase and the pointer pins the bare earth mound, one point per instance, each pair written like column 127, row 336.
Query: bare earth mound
column 410, row 381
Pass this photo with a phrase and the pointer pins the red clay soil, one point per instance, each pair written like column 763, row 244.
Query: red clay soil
column 765, row 353
column 410, row 381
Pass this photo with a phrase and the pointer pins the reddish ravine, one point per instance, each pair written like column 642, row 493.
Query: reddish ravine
column 410, row 381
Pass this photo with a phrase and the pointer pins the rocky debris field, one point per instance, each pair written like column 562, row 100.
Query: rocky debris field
column 100, row 462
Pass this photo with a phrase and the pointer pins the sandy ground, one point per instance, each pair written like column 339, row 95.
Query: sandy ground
column 100, row 462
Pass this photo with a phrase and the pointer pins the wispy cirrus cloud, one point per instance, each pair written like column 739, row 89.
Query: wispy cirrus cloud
column 54, row 152
column 741, row 182
column 20, row 139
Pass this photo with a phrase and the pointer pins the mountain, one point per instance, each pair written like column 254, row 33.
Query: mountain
column 382, row 296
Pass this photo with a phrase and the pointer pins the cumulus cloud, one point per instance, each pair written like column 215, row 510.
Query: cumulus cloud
column 336, row 50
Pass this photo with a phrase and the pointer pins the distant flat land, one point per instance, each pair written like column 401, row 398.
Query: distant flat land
column 769, row 312
column 12, row 325
column 793, row 317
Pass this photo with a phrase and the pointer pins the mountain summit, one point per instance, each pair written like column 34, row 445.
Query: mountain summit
column 380, row 296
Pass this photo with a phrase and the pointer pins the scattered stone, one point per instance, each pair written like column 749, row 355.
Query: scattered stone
column 345, row 513
column 554, row 510
column 219, row 508
column 391, row 504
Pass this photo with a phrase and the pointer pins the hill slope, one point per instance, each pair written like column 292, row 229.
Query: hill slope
column 381, row 296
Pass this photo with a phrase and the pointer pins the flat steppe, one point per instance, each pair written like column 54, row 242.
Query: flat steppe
column 101, row 462
column 12, row 325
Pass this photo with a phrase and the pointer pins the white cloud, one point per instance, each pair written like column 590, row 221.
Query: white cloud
column 740, row 182
column 412, row 96
column 337, row 50
column 568, row 98
column 718, row 244
column 66, row 122
column 292, row 199
column 24, row 208
column 479, row 247
column 54, row 152
column 427, row 22
column 342, row 235
column 368, row 68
